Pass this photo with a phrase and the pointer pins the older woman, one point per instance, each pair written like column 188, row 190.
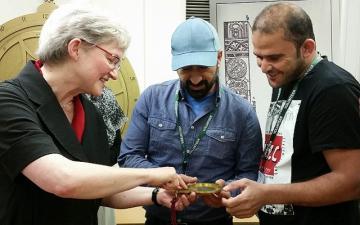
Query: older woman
column 54, row 154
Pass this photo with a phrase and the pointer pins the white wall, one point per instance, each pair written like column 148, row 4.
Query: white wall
column 349, row 54
column 150, row 23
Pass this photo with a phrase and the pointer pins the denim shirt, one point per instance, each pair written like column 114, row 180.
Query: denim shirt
column 230, row 150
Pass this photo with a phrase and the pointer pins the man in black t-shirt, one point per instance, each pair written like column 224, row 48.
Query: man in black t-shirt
column 309, row 173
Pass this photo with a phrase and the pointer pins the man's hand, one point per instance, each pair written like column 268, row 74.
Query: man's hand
column 247, row 203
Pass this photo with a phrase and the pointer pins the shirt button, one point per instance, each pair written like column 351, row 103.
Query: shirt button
column 160, row 125
column 222, row 136
column 192, row 127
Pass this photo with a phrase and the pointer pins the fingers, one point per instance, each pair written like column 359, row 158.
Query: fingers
column 192, row 197
column 245, row 204
column 172, row 180
column 229, row 202
column 166, row 197
column 220, row 182
column 182, row 183
column 239, row 184
column 183, row 201
column 225, row 194
column 170, row 185
column 188, row 179
column 184, row 180
column 176, row 181
column 179, row 206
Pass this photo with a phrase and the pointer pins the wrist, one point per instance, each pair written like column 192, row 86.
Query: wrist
column 154, row 196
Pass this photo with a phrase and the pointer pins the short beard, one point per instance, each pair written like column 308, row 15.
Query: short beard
column 199, row 94
column 299, row 70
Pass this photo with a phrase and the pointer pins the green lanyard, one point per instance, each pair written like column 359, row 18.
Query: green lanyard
column 187, row 152
column 267, row 149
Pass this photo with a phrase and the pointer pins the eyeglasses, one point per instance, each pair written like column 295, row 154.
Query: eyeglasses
column 112, row 58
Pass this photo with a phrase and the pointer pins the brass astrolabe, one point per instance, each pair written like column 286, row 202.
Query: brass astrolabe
column 201, row 188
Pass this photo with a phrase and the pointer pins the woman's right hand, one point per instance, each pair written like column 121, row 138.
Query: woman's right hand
column 165, row 177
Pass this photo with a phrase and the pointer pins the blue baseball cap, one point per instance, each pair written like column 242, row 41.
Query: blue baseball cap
column 194, row 42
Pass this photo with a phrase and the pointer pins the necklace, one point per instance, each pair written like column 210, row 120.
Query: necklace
column 275, row 129
column 185, row 150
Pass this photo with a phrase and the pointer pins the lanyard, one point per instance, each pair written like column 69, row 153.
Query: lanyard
column 267, row 148
column 188, row 151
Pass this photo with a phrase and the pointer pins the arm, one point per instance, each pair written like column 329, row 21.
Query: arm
column 25, row 148
column 138, row 196
column 70, row 179
column 333, row 121
column 141, row 196
column 341, row 184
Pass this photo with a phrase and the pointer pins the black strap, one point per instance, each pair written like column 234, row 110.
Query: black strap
column 154, row 196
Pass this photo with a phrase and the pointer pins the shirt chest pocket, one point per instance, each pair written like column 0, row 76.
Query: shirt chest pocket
column 222, row 143
column 162, row 132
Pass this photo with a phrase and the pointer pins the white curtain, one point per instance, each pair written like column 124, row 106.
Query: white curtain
column 349, row 51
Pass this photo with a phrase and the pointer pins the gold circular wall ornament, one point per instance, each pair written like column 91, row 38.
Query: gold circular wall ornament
column 19, row 41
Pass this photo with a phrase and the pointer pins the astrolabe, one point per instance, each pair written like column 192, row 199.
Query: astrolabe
column 202, row 188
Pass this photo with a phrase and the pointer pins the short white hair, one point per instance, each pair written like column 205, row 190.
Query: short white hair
column 73, row 21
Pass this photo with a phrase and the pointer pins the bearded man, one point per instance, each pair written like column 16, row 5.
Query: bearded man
column 196, row 125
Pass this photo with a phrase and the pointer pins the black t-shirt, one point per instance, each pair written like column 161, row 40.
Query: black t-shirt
column 323, row 115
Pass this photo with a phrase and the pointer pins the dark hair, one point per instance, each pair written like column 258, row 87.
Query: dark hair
column 294, row 21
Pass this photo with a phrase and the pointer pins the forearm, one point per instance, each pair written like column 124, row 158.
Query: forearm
column 134, row 197
column 330, row 188
column 70, row 179
column 341, row 184
column 106, row 180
